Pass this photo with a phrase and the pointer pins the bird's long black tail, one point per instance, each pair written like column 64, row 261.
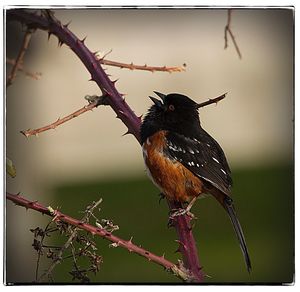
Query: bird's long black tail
column 229, row 207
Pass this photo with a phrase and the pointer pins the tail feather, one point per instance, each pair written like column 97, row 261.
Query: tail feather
column 229, row 207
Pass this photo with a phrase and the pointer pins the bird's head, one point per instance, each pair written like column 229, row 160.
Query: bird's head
column 173, row 112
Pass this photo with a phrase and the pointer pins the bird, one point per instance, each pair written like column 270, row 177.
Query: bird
column 184, row 161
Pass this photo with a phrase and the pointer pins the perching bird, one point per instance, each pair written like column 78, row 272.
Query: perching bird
column 183, row 160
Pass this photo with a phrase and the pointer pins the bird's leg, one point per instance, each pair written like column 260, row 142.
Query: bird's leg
column 183, row 211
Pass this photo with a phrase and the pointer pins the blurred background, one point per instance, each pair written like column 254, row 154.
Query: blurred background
column 88, row 158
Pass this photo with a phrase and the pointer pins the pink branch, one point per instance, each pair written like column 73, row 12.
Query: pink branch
column 117, row 241
column 118, row 104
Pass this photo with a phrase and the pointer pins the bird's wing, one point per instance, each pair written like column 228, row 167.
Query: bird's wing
column 203, row 156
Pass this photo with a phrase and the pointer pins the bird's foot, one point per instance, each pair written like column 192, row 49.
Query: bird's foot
column 181, row 212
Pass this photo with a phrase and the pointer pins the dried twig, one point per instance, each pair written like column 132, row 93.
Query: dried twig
column 118, row 242
column 38, row 244
column 145, row 67
column 70, row 240
column 19, row 59
column 212, row 100
column 33, row 75
column 228, row 30
column 100, row 100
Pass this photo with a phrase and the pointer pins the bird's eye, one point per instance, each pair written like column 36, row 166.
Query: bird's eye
column 171, row 107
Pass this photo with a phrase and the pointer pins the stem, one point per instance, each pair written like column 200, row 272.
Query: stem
column 212, row 100
column 60, row 121
column 187, row 243
column 118, row 104
column 145, row 67
column 33, row 75
column 228, row 29
column 19, row 59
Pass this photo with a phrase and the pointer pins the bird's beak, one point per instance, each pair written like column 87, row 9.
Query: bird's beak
column 156, row 101
column 161, row 95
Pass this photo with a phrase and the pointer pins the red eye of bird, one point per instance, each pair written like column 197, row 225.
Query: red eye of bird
column 171, row 107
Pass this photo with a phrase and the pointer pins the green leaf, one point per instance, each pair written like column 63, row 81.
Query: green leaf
column 10, row 168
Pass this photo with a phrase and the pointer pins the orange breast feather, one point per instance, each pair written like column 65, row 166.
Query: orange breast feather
column 172, row 178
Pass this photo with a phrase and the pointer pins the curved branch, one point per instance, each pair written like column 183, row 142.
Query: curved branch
column 117, row 241
column 123, row 111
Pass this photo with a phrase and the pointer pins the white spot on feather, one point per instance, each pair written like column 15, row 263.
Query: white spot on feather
column 216, row 160
column 191, row 151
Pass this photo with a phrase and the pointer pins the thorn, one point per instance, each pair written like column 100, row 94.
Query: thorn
column 49, row 35
column 25, row 133
column 115, row 81
column 83, row 40
column 67, row 24
column 127, row 133
column 130, row 240
column 91, row 79
column 60, row 43
column 140, row 117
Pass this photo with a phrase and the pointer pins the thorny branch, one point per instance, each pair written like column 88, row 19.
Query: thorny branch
column 98, row 100
column 123, row 111
column 33, row 75
column 228, row 30
column 145, row 67
column 20, row 56
column 58, row 216
column 70, row 240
